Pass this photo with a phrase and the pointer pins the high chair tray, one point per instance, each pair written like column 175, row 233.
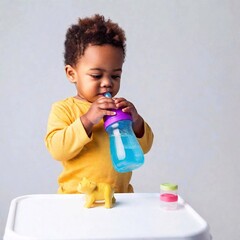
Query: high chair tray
column 133, row 216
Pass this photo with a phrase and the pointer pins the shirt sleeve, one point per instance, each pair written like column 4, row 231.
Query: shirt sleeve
column 66, row 136
column 147, row 139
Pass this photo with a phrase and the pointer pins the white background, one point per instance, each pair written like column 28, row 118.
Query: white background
column 181, row 71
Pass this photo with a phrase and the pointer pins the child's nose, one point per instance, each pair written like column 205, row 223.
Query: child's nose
column 106, row 82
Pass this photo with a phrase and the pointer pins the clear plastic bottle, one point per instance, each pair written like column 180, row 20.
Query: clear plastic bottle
column 126, row 153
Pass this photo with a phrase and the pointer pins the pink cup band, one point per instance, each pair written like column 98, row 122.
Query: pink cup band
column 167, row 197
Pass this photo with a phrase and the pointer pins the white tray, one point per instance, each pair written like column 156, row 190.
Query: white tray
column 134, row 216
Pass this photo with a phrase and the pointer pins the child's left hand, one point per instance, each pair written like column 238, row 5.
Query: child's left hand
column 127, row 106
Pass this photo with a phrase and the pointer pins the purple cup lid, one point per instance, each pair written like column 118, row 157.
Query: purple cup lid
column 120, row 115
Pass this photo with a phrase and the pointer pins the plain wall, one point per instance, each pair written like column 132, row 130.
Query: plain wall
column 181, row 71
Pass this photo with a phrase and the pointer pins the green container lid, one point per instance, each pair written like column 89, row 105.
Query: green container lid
column 168, row 187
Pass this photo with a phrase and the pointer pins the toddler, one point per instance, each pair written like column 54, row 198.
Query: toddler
column 95, row 50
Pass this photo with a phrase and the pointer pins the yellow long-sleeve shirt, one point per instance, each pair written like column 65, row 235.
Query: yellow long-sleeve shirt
column 83, row 156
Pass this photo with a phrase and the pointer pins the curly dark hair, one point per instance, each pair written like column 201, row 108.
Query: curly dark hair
column 92, row 31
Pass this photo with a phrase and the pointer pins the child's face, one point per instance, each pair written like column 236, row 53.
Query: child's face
column 98, row 71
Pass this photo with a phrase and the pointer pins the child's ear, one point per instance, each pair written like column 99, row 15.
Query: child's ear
column 70, row 73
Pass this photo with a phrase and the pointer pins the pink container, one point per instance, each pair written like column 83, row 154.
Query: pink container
column 169, row 196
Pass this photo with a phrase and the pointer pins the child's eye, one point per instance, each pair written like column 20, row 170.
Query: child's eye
column 96, row 76
column 116, row 77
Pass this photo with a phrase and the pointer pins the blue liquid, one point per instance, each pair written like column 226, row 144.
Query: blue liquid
column 125, row 150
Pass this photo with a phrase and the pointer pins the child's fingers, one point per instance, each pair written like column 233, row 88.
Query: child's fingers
column 107, row 106
column 106, row 103
column 119, row 100
column 109, row 113
column 127, row 109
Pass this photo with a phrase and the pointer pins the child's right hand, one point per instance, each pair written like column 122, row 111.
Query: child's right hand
column 97, row 111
